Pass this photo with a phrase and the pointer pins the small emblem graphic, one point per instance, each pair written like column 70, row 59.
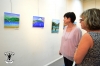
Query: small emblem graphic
column 9, row 55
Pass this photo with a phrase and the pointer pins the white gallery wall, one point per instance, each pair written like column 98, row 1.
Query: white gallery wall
column 34, row 46
column 91, row 4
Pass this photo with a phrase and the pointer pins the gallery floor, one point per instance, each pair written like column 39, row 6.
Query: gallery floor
column 58, row 62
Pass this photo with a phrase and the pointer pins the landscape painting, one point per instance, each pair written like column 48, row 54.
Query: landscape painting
column 55, row 25
column 75, row 23
column 38, row 21
column 11, row 20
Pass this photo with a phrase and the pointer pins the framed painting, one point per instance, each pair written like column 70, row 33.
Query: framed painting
column 11, row 20
column 55, row 25
column 38, row 21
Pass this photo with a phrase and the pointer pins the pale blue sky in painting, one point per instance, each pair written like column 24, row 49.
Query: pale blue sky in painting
column 11, row 14
column 38, row 18
column 56, row 21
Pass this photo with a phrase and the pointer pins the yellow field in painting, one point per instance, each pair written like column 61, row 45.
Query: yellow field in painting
column 11, row 26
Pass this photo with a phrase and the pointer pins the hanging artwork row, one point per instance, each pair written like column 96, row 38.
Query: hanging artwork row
column 11, row 20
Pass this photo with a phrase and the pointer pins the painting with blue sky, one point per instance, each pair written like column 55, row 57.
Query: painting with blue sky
column 38, row 21
column 55, row 25
column 11, row 20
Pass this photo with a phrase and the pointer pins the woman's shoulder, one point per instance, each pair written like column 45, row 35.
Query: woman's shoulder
column 77, row 29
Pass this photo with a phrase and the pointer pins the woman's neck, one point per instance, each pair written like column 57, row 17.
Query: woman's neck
column 71, row 25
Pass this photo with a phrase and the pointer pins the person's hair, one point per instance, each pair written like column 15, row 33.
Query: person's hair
column 70, row 15
column 91, row 18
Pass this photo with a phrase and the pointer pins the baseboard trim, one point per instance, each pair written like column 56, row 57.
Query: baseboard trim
column 53, row 61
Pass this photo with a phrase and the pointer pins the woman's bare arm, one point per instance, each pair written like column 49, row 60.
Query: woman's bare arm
column 85, row 44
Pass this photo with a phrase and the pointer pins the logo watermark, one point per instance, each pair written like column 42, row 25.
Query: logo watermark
column 9, row 55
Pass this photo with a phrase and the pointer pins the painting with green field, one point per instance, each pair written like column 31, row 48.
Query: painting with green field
column 55, row 25
column 11, row 20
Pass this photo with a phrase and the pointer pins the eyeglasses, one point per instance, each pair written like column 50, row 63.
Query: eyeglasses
column 81, row 20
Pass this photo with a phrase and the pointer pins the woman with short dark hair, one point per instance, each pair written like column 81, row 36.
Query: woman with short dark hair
column 70, row 39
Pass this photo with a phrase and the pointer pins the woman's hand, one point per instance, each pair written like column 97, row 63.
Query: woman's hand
column 60, row 53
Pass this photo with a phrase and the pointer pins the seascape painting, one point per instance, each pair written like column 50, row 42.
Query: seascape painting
column 11, row 20
column 38, row 21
